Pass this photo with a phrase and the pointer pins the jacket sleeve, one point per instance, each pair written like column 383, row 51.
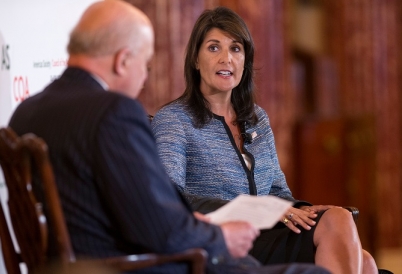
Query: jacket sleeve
column 171, row 144
column 204, row 205
column 170, row 136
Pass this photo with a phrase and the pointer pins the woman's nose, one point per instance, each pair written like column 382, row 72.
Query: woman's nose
column 225, row 57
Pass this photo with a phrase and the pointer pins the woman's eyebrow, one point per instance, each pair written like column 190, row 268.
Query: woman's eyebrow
column 217, row 41
column 213, row 40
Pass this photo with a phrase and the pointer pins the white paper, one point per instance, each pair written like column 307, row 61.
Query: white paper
column 261, row 211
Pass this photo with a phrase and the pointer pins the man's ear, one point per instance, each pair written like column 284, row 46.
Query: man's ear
column 120, row 62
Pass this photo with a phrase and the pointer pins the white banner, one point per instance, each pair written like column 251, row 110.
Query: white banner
column 33, row 40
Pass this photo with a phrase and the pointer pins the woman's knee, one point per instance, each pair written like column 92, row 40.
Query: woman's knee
column 337, row 216
column 369, row 264
column 337, row 226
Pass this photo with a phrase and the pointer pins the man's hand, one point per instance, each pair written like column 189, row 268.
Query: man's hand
column 201, row 217
column 239, row 237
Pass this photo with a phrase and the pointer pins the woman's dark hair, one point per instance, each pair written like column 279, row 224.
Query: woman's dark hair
column 242, row 97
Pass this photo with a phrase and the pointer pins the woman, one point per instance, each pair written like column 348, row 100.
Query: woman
column 216, row 143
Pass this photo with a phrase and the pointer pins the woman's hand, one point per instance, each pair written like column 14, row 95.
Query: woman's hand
column 317, row 208
column 303, row 217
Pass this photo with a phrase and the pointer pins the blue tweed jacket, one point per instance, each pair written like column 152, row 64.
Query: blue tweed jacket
column 205, row 163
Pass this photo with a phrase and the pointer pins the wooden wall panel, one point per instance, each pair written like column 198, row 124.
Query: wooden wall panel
column 364, row 44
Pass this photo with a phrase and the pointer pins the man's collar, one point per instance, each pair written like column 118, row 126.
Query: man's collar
column 104, row 85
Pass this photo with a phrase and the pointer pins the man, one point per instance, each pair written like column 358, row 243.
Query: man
column 116, row 198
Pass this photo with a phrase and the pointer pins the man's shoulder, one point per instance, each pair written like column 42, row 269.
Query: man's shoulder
column 65, row 101
column 125, row 104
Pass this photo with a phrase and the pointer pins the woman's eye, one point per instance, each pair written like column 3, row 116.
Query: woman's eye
column 213, row 48
column 236, row 49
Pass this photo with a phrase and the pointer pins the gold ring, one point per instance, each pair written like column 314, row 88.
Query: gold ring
column 290, row 215
column 285, row 221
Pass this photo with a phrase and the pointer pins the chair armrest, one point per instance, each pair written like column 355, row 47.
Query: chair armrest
column 354, row 211
column 195, row 257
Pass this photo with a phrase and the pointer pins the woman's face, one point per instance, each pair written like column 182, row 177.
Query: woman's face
column 220, row 62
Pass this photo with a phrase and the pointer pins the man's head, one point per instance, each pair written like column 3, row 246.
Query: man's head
column 114, row 41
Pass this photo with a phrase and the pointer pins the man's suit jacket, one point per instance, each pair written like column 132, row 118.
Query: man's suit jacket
column 115, row 194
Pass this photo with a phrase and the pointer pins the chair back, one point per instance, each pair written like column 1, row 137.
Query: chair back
column 11, row 257
column 19, row 157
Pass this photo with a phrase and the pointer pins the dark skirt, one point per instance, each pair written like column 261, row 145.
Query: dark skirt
column 281, row 245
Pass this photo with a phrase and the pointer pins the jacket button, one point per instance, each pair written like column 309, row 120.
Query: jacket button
column 216, row 260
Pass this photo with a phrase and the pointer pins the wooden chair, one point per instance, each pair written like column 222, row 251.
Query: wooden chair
column 19, row 156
